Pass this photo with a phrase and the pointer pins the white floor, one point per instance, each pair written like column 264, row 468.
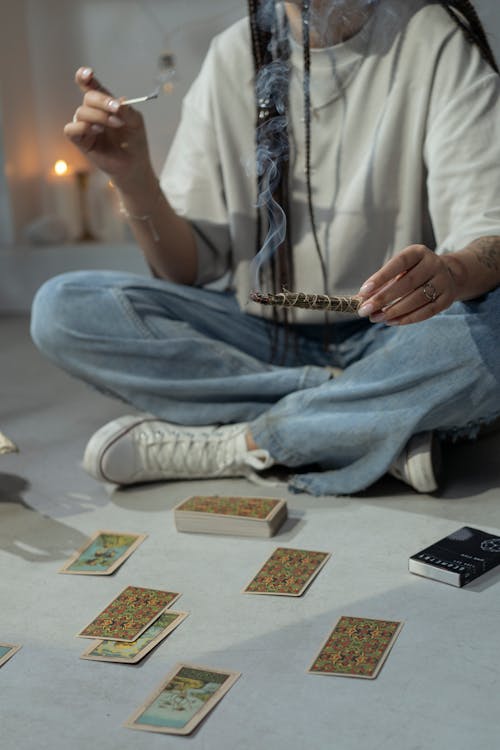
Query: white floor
column 438, row 690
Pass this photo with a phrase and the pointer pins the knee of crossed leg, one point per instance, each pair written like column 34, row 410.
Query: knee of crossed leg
column 55, row 318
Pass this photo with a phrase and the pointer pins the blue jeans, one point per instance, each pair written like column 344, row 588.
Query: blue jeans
column 192, row 357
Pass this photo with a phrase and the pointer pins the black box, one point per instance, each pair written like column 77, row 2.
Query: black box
column 458, row 558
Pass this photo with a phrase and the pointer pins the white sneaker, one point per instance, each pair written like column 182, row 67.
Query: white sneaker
column 136, row 449
column 419, row 465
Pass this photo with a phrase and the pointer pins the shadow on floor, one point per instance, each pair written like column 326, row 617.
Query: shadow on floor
column 28, row 534
column 470, row 467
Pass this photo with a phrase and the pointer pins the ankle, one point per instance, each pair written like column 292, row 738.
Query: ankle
column 251, row 444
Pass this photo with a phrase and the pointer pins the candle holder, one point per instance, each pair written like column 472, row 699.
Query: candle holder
column 82, row 185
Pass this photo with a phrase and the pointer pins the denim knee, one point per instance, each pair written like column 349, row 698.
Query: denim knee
column 52, row 316
column 44, row 313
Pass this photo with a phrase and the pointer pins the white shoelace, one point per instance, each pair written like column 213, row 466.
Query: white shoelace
column 182, row 453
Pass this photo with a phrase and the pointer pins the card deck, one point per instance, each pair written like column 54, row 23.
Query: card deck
column 129, row 614
column 288, row 572
column 7, row 650
column 245, row 516
column 187, row 695
column 131, row 653
column 356, row 647
column 459, row 558
column 215, row 514
column 103, row 553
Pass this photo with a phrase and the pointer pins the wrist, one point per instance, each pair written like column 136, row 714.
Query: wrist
column 137, row 192
column 146, row 217
column 458, row 271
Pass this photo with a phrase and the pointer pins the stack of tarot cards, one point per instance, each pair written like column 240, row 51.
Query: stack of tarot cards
column 245, row 516
column 136, row 621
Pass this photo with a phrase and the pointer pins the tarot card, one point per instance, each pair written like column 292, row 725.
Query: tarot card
column 356, row 647
column 259, row 508
column 129, row 615
column 216, row 514
column 131, row 653
column 288, row 572
column 7, row 650
column 103, row 553
column 187, row 695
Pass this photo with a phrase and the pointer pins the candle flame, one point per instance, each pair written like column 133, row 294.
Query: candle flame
column 61, row 167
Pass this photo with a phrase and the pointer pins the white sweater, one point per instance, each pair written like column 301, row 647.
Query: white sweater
column 405, row 149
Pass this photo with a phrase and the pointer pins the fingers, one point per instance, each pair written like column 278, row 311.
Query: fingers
column 422, row 303
column 88, row 123
column 104, row 113
column 413, row 286
column 97, row 95
column 99, row 109
column 395, row 268
column 87, row 81
column 396, row 279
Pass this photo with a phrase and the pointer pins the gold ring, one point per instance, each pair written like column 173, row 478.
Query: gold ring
column 430, row 291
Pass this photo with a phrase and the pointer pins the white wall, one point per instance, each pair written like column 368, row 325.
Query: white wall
column 6, row 225
column 489, row 12
column 121, row 40
column 21, row 163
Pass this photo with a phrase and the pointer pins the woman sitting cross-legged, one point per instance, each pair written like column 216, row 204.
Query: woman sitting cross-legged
column 340, row 148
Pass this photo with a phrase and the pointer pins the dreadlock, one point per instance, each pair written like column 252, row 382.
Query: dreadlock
column 271, row 51
column 270, row 45
column 306, row 17
column 465, row 15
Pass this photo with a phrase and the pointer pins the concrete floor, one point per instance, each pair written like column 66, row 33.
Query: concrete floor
column 438, row 689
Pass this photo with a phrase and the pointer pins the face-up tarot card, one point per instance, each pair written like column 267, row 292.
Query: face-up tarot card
column 129, row 615
column 7, row 650
column 288, row 572
column 103, row 553
column 356, row 647
column 131, row 653
column 183, row 699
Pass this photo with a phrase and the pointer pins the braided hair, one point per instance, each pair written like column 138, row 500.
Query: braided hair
column 271, row 52
column 465, row 15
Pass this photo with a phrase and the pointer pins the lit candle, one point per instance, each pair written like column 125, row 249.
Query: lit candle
column 64, row 197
